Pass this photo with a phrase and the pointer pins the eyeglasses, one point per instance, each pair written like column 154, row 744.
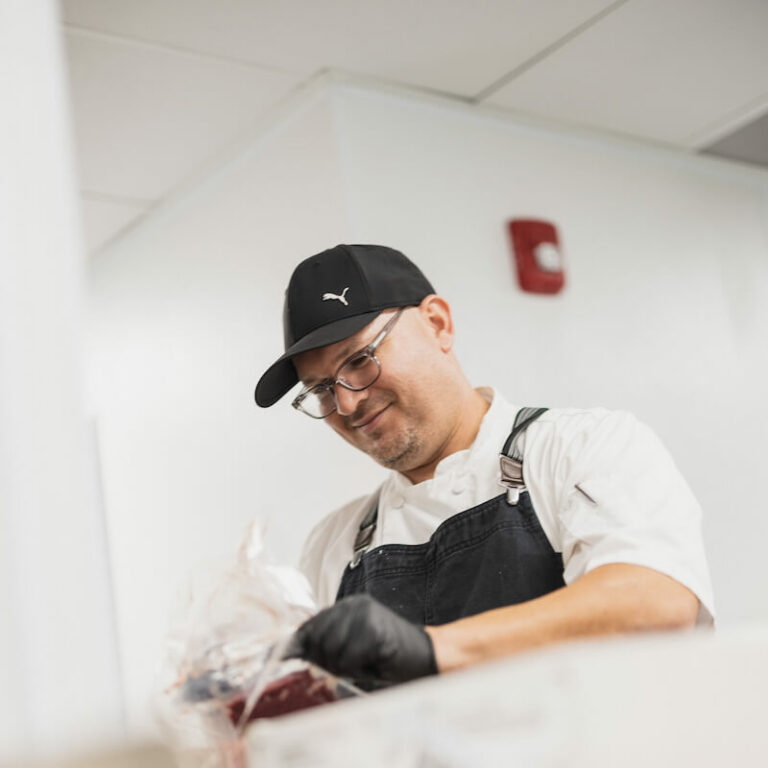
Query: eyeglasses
column 357, row 372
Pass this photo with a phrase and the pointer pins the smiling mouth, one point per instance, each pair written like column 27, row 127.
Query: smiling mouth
column 371, row 422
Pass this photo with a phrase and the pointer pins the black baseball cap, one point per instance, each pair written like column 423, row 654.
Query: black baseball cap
column 333, row 295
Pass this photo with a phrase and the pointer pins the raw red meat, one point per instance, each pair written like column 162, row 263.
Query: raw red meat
column 299, row 690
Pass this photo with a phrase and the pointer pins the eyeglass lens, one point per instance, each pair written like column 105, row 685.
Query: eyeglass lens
column 356, row 374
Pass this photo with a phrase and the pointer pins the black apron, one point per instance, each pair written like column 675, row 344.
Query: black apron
column 491, row 555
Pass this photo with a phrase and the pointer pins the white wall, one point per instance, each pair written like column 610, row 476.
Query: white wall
column 663, row 315
column 666, row 308
column 59, row 681
column 186, row 315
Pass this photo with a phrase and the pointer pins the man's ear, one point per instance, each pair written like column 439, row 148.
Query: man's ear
column 436, row 315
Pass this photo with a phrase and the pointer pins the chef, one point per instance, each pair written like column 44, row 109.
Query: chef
column 499, row 528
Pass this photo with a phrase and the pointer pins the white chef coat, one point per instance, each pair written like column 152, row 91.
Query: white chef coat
column 635, row 506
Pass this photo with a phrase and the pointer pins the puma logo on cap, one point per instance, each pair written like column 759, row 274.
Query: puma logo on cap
column 328, row 296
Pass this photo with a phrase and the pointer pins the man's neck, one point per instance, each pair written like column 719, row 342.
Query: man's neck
column 472, row 410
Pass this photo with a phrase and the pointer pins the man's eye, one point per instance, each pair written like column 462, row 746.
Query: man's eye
column 357, row 362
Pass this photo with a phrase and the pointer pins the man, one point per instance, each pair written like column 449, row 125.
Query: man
column 499, row 529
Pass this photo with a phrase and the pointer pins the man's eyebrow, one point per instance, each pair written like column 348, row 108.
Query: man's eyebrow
column 343, row 354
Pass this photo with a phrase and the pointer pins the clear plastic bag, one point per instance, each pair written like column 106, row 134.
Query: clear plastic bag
column 224, row 663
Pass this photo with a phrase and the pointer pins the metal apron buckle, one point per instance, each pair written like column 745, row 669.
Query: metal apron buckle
column 512, row 477
column 355, row 561
column 513, row 494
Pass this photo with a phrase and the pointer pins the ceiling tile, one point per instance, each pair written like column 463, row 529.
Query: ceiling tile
column 668, row 71
column 144, row 117
column 102, row 219
column 459, row 47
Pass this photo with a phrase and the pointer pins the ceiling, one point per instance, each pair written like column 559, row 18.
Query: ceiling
column 159, row 87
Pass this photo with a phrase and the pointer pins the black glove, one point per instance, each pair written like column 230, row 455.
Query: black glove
column 362, row 639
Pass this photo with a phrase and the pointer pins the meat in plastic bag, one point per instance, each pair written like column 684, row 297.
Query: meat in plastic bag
column 224, row 663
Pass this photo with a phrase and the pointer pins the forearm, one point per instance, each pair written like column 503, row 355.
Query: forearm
column 611, row 599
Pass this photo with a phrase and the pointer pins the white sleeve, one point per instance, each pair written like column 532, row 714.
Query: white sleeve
column 311, row 560
column 634, row 506
column 328, row 549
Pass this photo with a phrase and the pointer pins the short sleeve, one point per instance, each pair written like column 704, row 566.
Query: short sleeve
column 328, row 549
column 311, row 560
column 619, row 498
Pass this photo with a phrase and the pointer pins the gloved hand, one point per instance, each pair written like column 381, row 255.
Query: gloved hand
column 361, row 639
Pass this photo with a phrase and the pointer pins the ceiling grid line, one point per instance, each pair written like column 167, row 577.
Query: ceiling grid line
column 107, row 197
column 546, row 52
column 110, row 37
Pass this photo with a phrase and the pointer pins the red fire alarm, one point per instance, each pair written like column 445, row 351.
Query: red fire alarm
column 538, row 256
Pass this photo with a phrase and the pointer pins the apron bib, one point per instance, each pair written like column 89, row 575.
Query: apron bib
column 488, row 556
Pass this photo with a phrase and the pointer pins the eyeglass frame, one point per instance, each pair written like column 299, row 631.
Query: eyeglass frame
column 369, row 350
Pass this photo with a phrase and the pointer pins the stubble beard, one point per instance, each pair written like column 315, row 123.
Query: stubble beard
column 400, row 453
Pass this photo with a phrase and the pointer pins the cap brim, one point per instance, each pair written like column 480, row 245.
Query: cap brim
column 281, row 375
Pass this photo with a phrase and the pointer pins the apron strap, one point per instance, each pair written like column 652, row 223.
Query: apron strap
column 511, row 459
column 511, row 476
column 367, row 529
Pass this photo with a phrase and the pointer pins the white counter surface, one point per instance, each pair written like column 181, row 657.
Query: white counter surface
column 688, row 699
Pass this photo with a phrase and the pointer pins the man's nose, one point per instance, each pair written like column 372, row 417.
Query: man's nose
column 347, row 400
